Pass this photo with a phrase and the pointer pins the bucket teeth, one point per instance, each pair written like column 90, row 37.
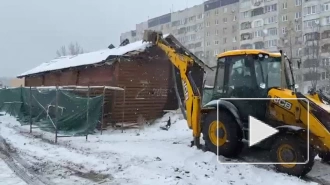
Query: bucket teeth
column 150, row 36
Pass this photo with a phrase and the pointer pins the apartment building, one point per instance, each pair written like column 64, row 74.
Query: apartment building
column 299, row 27
column 221, row 28
column 188, row 27
column 259, row 24
column 315, row 55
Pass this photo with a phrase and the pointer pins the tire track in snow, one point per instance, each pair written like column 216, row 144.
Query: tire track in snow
column 19, row 167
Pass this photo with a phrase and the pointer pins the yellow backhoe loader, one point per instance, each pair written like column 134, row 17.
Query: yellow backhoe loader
column 244, row 80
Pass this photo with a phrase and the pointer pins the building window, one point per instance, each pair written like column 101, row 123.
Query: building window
column 298, row 27
column 271, row 20
column 246, row 14
column 225, row 10
column 234, row 48
column 272, row 31
column 310, row 23
column 271, row 8
column 200, row 16
column 216, row 22
column 326, row 7
column 298, row 2
column 234, row 18
column 327, row 20
column 258, row 33
column 216, row 32
column 285, row 5
column 234, row 39
column 208, row 43
column 207, row 24
column 298, row 52
column 207, row 34
column 216, row 52
column 258, row 23
column 216, row 12
column 298, row 15
column 225, row 20
column 234, row 28
column 270, row 43
column 216, row 42
column 224, row 40
column 311, row 10
column 207, row 14
column 284, row 18
column 284, row 30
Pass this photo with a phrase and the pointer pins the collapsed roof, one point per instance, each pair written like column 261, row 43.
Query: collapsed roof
column 90, row 58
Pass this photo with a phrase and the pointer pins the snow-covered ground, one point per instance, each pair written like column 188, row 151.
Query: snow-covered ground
column 146, row 156
column 8, row 177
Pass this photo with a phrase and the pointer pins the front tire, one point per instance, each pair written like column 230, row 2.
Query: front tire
column 229, row 141
column 291, row 149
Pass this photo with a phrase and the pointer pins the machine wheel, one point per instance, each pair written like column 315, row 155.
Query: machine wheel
column 291, row 149
column 229, row 142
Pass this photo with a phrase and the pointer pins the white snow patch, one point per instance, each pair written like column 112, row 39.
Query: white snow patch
column 86, row 58
column 145, row 156
column 8, row 177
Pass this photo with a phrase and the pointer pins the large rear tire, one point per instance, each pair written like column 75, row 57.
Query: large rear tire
column 229, row 141
column 291, row 149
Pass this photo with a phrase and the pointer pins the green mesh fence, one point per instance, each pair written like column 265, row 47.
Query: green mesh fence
column 41, row 105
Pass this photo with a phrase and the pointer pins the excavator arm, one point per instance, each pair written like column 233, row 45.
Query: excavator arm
column 184, row 63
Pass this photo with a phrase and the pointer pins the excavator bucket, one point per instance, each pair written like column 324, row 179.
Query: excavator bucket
column 151, row 36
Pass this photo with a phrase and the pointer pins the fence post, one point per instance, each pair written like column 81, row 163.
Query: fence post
column 30, row 108
column 87, row 116
column 102, row 120
column 56, row 113
column 122, row 123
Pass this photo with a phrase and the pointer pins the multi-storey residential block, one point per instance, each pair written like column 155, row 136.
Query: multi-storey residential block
column 259, row 24
column 221, row 28
column 299, row 27
column 188, row 26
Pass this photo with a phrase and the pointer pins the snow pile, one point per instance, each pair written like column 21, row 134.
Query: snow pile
column 145, row 156
column 86, row 58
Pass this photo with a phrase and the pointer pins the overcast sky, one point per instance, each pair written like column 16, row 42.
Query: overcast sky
column 32, row 30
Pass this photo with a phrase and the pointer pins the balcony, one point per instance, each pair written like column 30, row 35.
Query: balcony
column 246, row 25
column 311, row 63
column 246, row 36
column 325, row 48
column 325, row 36
column 312, row 36
column 259, row 45
column 246, row 46
column 257, row 11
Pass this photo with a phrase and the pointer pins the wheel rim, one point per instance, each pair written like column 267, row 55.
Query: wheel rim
column 286, row 154
column 217, row 133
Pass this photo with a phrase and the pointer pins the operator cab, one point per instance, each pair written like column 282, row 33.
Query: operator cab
column 247, row 74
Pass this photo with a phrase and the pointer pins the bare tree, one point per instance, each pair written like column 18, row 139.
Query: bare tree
column 73, row 49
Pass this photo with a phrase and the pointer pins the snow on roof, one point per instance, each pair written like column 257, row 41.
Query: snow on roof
column 86, row 58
